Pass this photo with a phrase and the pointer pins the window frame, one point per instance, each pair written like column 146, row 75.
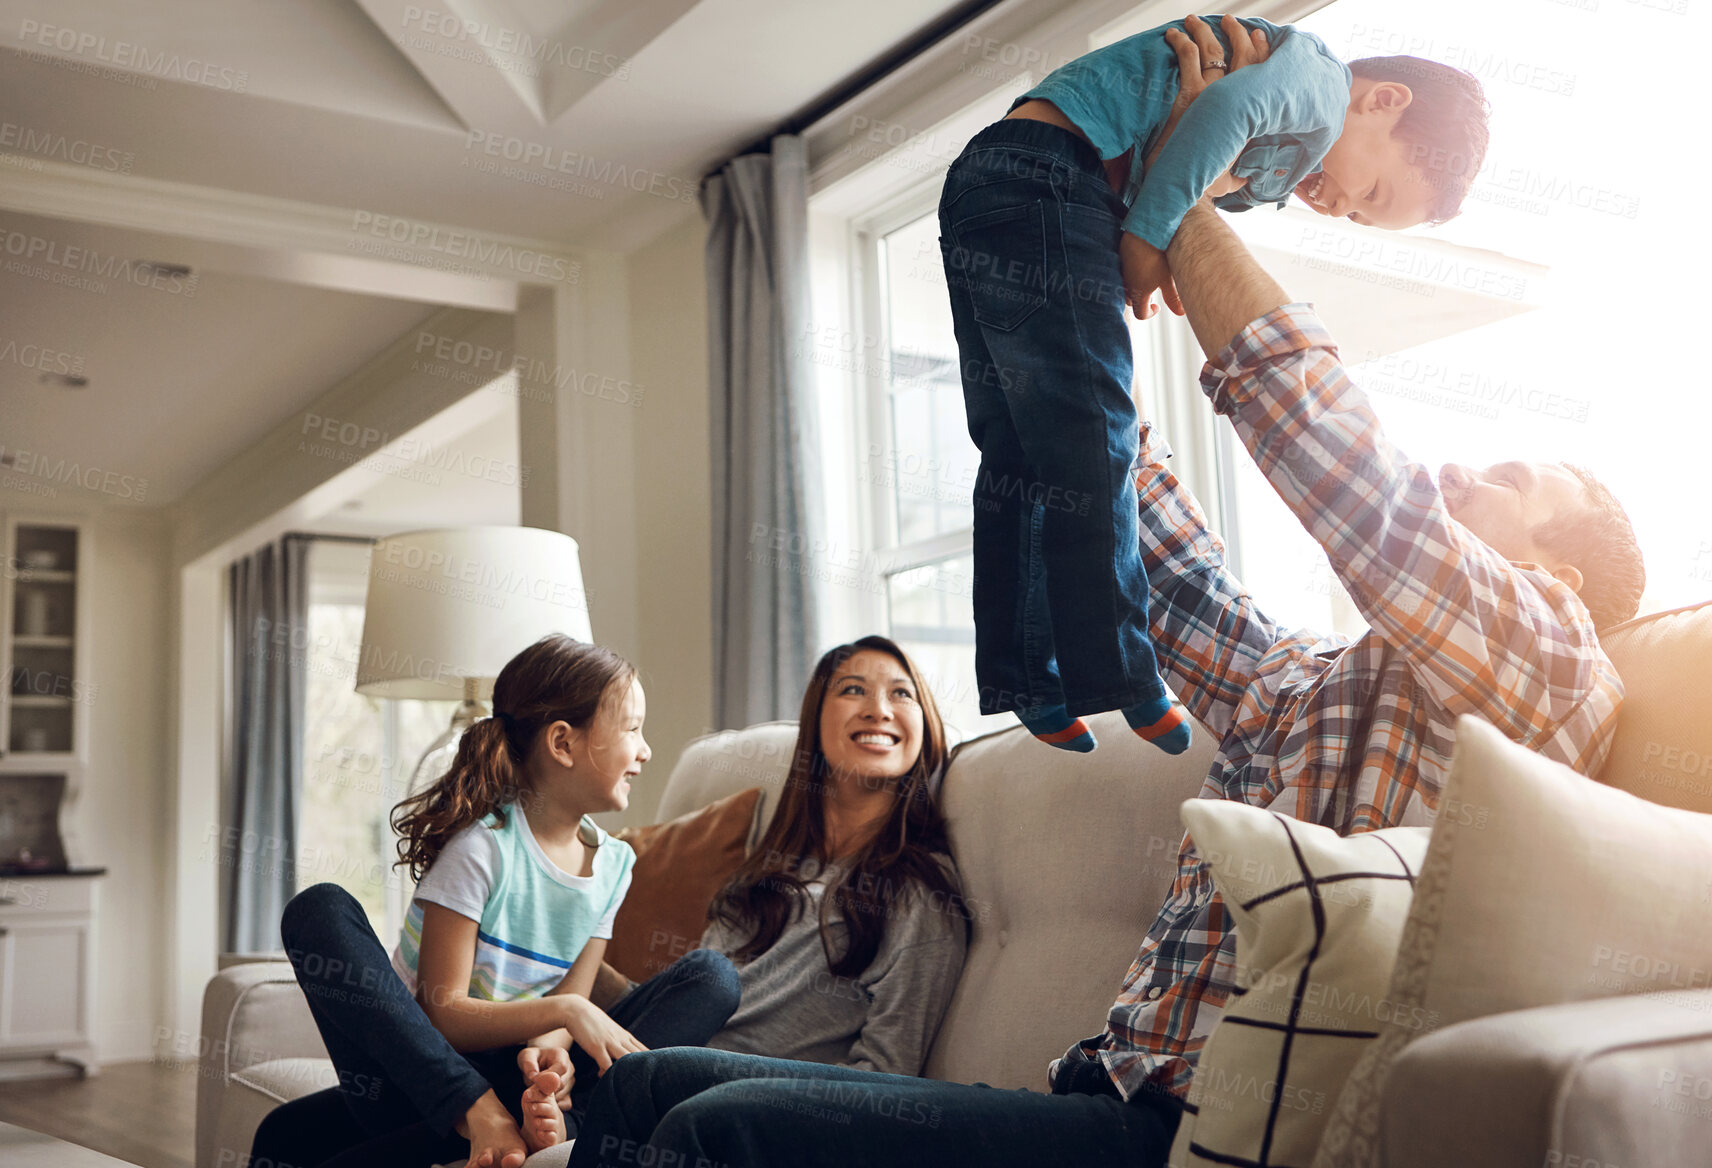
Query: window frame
column 874, row 398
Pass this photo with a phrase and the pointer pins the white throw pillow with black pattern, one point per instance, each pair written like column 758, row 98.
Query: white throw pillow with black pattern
column 1317, row 918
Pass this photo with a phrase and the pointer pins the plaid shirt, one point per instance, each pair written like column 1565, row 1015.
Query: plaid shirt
column 1355, row 735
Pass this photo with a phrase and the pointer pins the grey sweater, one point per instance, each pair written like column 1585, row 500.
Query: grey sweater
column 882, row 1019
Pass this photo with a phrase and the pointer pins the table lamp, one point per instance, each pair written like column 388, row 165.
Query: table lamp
column 448, row 608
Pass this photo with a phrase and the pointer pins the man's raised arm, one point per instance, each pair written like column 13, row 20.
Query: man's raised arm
column 1223, row 289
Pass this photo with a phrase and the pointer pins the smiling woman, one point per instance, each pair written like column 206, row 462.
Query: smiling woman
column 847, row 922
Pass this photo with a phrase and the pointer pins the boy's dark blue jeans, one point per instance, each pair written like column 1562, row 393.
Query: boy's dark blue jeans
column 1029, row 232
column 402, row 1087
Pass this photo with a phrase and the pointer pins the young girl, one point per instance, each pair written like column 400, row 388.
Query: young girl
column 483, row 1010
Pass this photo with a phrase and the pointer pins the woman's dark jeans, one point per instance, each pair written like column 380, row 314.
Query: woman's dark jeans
column 713, row 1109
column 402, row 1087
column 1029, row 232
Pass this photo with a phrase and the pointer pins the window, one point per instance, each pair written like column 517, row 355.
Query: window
column 358, row 751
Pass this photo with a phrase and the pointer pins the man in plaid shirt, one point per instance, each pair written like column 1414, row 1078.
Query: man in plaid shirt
column 1470, row 584
column 1482, row 591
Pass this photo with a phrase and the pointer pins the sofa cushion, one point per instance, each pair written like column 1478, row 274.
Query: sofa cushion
column 1317, row 920
column 1663, row 748
column 680, row 866
column 1539, row 887
column 244, row 1100
column 1619, row 1081
column 724, row 763
column 1065, row 860
column 283, row 1080
column 252, row 1012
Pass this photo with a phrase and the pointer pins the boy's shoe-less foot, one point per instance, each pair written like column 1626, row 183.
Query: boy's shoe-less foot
column 1163, row 722
column 1054, row 726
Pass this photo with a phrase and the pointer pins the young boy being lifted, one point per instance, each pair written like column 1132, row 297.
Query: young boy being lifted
column 1058, row 216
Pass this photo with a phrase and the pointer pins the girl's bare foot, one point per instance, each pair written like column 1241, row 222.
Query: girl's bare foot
column 543, row 1121
column 494, row 1139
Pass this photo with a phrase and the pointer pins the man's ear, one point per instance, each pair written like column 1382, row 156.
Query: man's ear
column 1569, row 574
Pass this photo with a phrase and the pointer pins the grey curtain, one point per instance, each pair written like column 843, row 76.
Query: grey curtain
column 269, row 604
column 769, row 559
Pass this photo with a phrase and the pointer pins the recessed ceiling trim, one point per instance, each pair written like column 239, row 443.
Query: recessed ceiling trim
column 604, row 40
column 450, row 45
column 61, row 191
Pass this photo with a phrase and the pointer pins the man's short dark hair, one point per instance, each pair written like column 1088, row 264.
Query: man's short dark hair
column 1599, row 541
column 1444, row 124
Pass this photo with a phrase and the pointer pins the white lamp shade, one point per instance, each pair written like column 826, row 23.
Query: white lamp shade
column 458, row 603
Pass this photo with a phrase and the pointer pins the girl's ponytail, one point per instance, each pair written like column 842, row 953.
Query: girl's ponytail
column 555, row 679
column 482, row 781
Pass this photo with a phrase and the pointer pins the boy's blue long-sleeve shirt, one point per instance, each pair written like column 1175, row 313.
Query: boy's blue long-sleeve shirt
column 1270, row 123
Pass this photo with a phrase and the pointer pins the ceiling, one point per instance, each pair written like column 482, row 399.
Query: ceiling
column 261, row 143
column 425, row 478
column 463, row 111
column 181, row 375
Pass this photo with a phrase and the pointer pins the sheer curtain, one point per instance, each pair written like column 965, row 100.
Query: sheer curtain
column 770, row 561
column 269, row 603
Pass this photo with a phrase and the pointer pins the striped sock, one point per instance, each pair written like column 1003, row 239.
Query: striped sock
column 1163, row 722
column 1054, row 726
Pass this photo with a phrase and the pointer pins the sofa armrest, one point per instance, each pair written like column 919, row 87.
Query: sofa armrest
column 251, row 1013
column 1619, row 1082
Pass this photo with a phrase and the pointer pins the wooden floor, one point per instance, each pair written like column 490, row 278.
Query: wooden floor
column 141, row 1112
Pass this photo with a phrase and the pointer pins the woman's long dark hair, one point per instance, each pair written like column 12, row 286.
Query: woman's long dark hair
column 557, row 679
column 903, row 857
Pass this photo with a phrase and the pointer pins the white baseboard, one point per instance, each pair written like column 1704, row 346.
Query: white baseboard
column 13, row 1070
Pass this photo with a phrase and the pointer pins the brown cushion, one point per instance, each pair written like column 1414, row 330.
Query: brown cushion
column 1663, row 749
column 680, row 865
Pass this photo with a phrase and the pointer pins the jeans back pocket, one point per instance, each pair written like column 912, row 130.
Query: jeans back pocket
column 1000, row 257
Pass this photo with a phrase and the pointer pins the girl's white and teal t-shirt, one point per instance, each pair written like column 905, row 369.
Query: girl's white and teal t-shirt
column 532, row 917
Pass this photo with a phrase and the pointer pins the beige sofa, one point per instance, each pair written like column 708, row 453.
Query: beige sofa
column 1065, row 861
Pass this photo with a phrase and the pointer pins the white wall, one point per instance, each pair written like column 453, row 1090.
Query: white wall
column 674, row 518
column 118, row 820
column 124, row 816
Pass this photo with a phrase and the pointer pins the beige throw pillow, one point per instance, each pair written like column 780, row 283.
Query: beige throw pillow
column 680, row 868
column 1663, row 747
column 1317, row 922
column 1540, row 887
